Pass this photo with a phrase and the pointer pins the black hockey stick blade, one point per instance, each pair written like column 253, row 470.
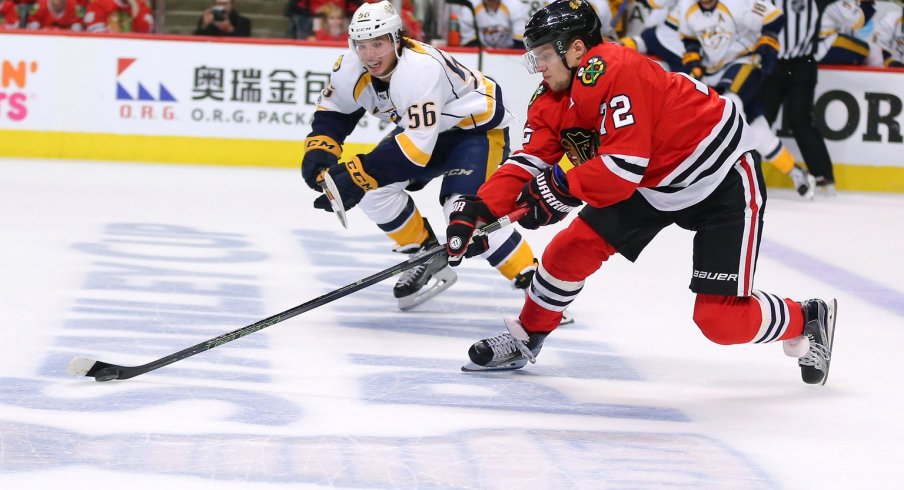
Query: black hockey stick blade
column 103, row 371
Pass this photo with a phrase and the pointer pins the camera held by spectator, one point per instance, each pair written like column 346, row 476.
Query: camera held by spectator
column 219, row 13
column 222, row 19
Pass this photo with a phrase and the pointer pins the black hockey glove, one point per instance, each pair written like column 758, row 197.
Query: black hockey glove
column 320, row 153
column 468, row 213
column 547, row 199
column 351, row 182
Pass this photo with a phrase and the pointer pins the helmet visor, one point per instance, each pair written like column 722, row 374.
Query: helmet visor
column 541, row 57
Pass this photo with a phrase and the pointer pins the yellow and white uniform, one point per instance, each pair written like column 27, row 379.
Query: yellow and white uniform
column 841, row 17
column 430, row 93
column 727, row 33
column 450, row 123
column 502, row 27
column 889, row 36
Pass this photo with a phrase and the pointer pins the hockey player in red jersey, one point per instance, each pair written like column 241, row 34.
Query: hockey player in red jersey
column 115, row 16
column 649, row 149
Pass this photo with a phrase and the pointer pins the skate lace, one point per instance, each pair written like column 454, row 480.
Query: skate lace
column 818, row 356
column 505, row 344
column 410, row 276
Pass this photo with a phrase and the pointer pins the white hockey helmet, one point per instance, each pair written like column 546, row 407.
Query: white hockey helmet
column 373, row 20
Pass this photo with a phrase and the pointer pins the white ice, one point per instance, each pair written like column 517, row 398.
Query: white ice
column 128, row 263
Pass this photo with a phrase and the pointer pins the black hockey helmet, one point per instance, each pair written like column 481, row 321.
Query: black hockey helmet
column 557, row 24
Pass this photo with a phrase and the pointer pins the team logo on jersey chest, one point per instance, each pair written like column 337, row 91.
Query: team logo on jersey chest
column 580, row 144
column 588, row 75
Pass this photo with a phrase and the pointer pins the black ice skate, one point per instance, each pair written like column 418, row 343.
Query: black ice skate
column 414, row 286
column 522, row 281
column 819, row 328
column 506, row 351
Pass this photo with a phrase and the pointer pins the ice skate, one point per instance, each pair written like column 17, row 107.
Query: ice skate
column 507, row 351
column 420, row 283
column 804, row 182
column 522, row 281
column 825, row 187
column 819, row 329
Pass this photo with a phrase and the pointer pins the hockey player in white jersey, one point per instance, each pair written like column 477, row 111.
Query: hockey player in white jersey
column 501, row 22
column 498, row 23
column 837, row 43
column 731, row 45
column 660, row 35
column 450, row 123
column 889, row 36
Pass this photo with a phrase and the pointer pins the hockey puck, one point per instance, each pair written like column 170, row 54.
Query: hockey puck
column 106, row 374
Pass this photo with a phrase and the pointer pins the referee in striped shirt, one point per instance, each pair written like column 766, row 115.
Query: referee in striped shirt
column 793, row 84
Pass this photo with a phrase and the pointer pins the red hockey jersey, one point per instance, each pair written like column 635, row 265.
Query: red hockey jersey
column 9, row 13
column 632, row 126
column 540, row 148
column 43, row 17
column 111, row 15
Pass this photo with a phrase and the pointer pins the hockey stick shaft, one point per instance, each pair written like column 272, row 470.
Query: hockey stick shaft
column 103, row 371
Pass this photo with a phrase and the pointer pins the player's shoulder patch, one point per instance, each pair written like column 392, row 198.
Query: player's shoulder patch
column 537, row 93
column 590, row 73
column 338, row 63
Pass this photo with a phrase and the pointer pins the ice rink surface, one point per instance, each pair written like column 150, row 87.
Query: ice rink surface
column 128, row 263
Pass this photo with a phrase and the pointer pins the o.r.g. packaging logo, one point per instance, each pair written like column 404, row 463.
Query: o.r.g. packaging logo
column 136, row 101
column 14, row 77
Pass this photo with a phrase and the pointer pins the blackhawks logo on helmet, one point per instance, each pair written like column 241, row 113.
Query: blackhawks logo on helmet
column 588, row 75
column 580, row 144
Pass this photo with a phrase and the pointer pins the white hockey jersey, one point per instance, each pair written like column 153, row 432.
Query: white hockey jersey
column 889, row 35
column 839, row 17
column 728, row 32
column 601, row 7
column 429, row 93
column 499, row 28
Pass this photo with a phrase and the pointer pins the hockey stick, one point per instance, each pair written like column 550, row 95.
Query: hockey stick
column 103, row 371
column 335, row 199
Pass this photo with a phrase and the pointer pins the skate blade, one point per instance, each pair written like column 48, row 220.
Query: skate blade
column 441, row 281
column 567, row 319
column 830, row 325
column 470, row 367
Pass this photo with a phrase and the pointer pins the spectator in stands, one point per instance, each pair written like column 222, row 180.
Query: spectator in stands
column 499, row 23
column 9, row 14
column 889, row 36
column 332, row 24
column 222, row 19
column 413, row 28
column 119, row 16
column 57, row 15
column 301, row 19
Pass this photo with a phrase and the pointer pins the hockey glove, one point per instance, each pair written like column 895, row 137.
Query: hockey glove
column 692, row 62
column 767, row 49
column 351, row 182
column 320, row 153
column 547, row 199
column 468, row 213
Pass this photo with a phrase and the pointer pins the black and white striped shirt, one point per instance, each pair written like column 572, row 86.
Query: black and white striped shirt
column 798, row 38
